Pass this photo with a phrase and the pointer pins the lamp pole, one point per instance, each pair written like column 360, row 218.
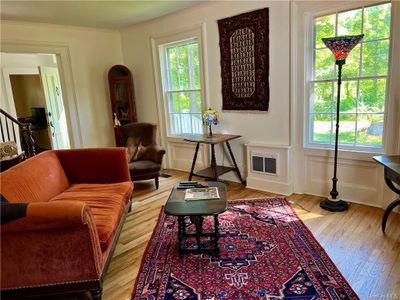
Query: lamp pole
column 332, row 203
column 340, row 47
column 334, row 193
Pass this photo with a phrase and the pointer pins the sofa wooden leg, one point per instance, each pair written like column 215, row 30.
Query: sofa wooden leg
column 96, row 293
column 157, row 182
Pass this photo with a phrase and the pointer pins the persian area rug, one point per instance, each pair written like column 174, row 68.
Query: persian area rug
column 266, row 253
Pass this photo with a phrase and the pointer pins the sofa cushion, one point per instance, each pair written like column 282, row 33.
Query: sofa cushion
column 107, row 203
column 135, row 148
column 38, row 179
column 144, row 167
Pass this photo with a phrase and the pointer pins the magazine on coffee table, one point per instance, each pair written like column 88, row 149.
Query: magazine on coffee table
column 207, row 193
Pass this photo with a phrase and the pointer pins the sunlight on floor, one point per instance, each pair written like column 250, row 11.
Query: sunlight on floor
column 308, row 215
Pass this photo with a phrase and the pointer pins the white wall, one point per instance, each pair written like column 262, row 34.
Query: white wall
column 90, row 53
column 360, row 178
column 272, row 126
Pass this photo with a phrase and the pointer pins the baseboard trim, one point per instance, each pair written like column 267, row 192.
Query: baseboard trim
column 269, row 186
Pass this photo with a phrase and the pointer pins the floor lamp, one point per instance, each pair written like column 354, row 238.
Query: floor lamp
column 340, row 47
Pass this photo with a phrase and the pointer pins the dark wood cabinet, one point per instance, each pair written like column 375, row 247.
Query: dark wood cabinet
column 122, row 98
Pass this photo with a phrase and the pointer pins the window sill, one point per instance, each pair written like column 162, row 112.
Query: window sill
column 311, row 150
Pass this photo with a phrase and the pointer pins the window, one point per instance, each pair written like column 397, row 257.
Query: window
column 182, row 86
column 364, row 79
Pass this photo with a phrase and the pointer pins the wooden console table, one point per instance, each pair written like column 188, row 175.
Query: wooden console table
column 215, row 170
column 392, row 175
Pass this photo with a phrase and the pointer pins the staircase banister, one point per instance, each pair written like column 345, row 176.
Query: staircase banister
column 22, row 126
column 12, row 118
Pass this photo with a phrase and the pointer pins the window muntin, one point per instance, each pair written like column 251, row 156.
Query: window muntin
column 182, row 87
column 364, row 79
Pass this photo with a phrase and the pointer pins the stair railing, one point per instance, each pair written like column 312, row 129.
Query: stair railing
column 25, row 132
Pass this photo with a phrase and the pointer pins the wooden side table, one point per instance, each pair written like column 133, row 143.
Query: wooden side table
column 215, row 170
column 392, row 175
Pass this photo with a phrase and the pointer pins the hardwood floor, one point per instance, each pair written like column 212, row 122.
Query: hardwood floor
column 368, row 259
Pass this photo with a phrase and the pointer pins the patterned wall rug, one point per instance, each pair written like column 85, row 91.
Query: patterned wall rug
column 266, row 253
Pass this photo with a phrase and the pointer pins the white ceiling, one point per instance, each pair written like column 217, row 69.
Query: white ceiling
column 101, row 14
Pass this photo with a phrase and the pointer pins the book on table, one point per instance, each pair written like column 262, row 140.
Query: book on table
column 207, row 193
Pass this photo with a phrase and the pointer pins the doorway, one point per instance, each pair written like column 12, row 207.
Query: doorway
column 33, row 88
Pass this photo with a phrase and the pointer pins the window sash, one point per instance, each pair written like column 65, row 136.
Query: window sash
column 193, row 106
column 185, row 123
column 181, row 122
column 190, row 67
column 332, row 113
column 360, row 78
column 311, row 139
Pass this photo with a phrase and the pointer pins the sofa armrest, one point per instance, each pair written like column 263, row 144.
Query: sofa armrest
column 154, row 153
column 50, row 215
column 95, row 165
column 55, row 243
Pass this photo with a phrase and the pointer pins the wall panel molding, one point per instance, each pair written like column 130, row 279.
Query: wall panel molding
column 359, row 181
column 181, row 155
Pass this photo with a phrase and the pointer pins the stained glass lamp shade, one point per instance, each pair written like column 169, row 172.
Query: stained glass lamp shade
column 340, row 47
column 210, row 117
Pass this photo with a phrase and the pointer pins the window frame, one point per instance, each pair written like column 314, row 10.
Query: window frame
column 166, row 87
column 310, row 50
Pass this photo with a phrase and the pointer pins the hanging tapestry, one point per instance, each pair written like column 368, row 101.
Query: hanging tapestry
column 244, row 46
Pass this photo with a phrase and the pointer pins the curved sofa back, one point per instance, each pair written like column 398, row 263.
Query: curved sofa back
column 37, row 179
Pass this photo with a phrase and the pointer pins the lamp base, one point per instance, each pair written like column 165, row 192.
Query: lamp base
column 335, row 206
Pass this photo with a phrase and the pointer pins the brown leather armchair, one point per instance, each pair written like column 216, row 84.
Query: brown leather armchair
column 146, row 163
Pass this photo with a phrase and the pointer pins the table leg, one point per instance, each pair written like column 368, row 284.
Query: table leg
column 213, row 163
column 181, row 223
column 194, row 161
column 198, row 223
column 392, row 205
column 216, row 231
column 388, row 211
column 234, row 163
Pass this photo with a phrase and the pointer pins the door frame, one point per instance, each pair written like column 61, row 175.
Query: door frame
column 7, row 71
column 65, row 71
column 10, row 101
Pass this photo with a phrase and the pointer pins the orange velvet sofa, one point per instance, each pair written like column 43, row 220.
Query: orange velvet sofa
column 75, row 205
